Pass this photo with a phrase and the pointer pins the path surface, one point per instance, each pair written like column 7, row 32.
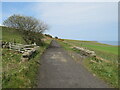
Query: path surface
column 59, row 70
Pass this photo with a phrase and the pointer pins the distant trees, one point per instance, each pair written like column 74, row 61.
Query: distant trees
column 48, row 35
column 56, row 37
column 29, row 26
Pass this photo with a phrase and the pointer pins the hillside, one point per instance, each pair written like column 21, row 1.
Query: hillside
column 18, row 74
column 15, row 73
column 11, row 35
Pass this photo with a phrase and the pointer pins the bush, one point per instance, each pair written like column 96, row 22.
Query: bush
column 56, row 37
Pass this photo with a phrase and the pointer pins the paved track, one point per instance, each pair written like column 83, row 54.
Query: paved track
column 59, row 70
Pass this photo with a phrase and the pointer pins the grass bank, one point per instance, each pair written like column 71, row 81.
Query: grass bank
column 15, row 73
column 106, row 71
column 11, row 35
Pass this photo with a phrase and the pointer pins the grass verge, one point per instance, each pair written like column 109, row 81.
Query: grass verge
column 17, row 74
column 106, row 71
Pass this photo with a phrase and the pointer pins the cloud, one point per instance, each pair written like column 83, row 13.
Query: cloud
column 68, row 13
column 81, row 20
column 76, row 13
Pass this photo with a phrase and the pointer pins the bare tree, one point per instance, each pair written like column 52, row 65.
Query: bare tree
column 25, row 23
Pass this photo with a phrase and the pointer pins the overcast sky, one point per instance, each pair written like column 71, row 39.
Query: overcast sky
column 71, row 20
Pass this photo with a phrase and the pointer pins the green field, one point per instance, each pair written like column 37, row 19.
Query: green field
column 106, row 71
column 15, row 73
column 105, row 51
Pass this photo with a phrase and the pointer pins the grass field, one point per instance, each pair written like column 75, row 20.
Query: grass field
column 15, row 73
column 105, row 51
column 104, row 70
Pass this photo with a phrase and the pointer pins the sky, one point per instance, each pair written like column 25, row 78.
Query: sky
column 96, row 21
column 60, row 0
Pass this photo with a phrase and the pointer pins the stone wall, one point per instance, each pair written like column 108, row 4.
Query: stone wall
column 26, row 50
column 85, row 52
column 28, row 53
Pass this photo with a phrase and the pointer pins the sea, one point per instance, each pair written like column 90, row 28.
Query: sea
column 115, row 43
